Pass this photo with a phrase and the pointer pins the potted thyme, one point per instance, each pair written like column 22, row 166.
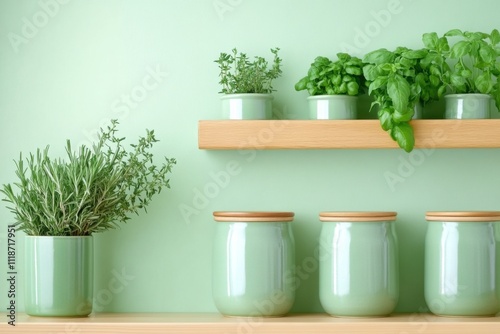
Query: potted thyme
column 333, row 86
column 247, row 84
column 61, row 203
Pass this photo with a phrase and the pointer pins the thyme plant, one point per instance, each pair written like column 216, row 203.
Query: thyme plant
column 239, row 75
column 92, row 191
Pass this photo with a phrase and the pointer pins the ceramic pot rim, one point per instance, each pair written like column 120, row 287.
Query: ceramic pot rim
column 247, row 96
column 469, row 95
column 59, row 236
column 463, row 216
column 332, row 97
column 253, row 216
column 357, row 216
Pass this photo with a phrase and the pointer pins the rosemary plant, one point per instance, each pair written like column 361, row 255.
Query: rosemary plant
column 92, row 191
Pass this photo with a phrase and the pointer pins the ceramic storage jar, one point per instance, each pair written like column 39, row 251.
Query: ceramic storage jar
column 358, row 264
column 461, row 276
column 253, row 263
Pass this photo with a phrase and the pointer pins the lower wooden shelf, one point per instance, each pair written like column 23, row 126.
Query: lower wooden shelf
column 215, row 323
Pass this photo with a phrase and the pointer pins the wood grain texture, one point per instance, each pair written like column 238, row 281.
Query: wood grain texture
column 215, row 323
column 344, row 134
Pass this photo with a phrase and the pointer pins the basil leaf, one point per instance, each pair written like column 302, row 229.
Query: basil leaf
column 378, row 57
column 398, row 90
column 430, row 40
column 403, row 135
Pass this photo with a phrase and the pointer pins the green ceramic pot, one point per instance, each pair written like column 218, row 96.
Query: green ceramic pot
column 59, row 276
column 461, row 263
column 247, row 106
column 332, row 107
column 358, row 264
column 467, row 106
column 253, row 264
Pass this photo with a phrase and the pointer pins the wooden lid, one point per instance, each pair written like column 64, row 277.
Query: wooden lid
column 463, row 216
column 252, row 216
column 359, row 216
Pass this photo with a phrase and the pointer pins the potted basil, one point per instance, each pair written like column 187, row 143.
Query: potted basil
column 247, row 85
column 61, row 203
column 333, row 86
column 400, row 86
column 469, row 68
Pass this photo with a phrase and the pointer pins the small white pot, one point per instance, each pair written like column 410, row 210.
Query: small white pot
column 332, row 107
column 247, row 106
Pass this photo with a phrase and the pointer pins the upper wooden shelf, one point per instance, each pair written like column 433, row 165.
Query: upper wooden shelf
column 145, row 323
column 348, row 134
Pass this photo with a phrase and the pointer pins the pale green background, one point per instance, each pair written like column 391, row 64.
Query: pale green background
column 64, row 82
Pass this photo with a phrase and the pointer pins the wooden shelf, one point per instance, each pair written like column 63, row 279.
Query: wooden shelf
column 215, row 323
column 348, row 134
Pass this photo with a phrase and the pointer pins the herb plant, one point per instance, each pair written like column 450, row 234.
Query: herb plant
column 92, row 191
column 398, row 81
column 239, row 75
column 341, row 77
column 470, row 65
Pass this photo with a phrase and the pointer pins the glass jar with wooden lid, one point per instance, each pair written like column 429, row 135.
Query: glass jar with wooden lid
column 253, row 263
column 461, row 266
column 359, row 274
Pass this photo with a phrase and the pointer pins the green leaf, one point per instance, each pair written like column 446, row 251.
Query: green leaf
column 378, row 57
column 430, row 40
column 484, row 83
column 487, row 54
column 352, row 88
column 377, row 83
column 403, row 134
column 354, row 70
column 460, row 49
column 406, row 116
column 371, row 72
column 398, row 90
column 302, row 84
column 496, row 96
column 415, row 54
column 454, row 32
column 457, row 80
column 495, row 37
column 385, row 117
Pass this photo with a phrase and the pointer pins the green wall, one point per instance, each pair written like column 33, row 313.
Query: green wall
column 69, row 76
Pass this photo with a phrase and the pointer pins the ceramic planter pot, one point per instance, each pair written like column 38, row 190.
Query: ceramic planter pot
column 247, row 106
column 253, row 271
column 419, row 111
column 59, row 276
column 358, row 268
column 332, row 107
column 467, row 106
column 461, row 263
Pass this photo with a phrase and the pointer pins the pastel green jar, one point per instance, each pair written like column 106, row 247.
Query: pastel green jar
column 359, row 275
column 253, row 264
column 59, row 276
column 461, row 263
